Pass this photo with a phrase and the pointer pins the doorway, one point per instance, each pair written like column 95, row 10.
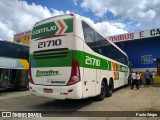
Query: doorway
column 5, row 78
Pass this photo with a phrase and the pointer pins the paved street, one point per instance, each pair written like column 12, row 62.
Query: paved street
column 124, row 99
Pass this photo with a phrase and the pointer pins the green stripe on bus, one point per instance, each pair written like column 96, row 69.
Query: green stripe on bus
column 80, row 56
column 52, row 62
column 69, row 23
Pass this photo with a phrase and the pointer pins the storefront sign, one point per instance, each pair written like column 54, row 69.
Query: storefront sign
column 22, row 34
column 132, row 36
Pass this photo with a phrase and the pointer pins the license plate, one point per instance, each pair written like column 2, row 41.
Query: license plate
column 47, row 90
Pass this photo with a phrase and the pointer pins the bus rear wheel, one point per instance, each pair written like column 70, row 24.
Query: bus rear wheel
column 102, row 95
column 109, row 89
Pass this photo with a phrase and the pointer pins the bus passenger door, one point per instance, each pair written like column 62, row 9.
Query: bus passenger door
column 89, row 82
column 90, row 73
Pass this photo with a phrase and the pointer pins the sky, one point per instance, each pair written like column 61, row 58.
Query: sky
column 110, row 17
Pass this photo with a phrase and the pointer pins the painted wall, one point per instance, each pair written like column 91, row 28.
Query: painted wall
column 137, row 48
column 23, row 37
column 24, row 40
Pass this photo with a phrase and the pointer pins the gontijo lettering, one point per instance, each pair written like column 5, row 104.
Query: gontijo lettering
column 43, row 30
column 124, row 69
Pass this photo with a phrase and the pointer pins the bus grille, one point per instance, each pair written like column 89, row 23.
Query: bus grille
column 51, row 53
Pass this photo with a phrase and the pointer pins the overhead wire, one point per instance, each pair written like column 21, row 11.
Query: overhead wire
column 132, row 12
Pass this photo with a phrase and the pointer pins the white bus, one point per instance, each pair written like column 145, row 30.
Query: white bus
column 69, row 59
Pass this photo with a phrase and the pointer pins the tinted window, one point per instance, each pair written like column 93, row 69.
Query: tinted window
column 12, row 50
column 100, row 45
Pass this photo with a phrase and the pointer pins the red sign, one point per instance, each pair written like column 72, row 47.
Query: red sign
column 27, row 32
column 22, row 34
column 133, row 36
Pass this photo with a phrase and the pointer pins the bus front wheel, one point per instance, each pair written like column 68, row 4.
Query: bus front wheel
column 102, row 95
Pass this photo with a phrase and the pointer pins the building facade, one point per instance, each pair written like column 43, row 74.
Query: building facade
column 142, row 48
column 23, row 37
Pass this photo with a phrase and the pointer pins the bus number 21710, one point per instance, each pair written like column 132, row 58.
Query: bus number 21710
column 92, row 61
column 49, row 43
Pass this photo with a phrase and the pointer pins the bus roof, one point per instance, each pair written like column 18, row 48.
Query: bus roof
column 53, row 18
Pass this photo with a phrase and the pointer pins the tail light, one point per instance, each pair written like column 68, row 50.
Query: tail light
column 75, row 74
column 30, row 76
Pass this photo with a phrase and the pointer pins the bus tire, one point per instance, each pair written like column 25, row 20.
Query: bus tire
column 109, row 89
column 101, row 96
